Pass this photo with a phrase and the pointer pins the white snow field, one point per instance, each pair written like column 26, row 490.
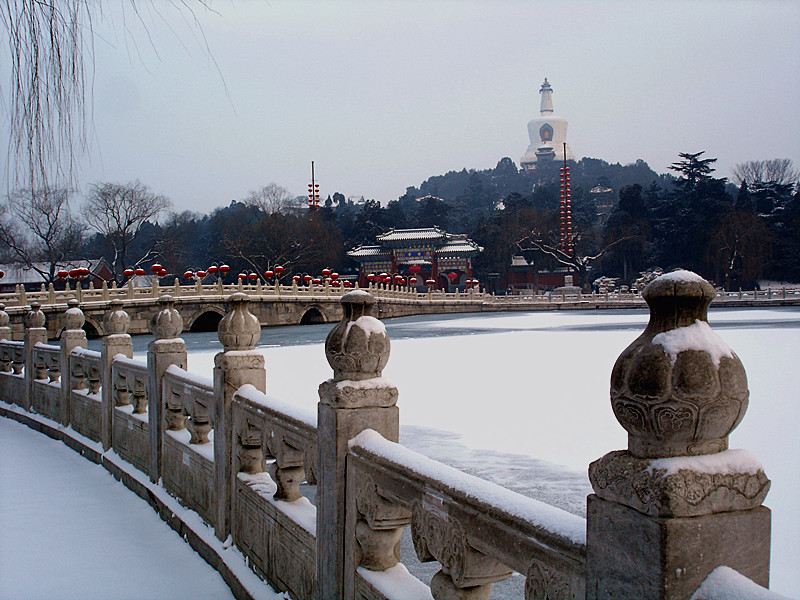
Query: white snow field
column 69, row 530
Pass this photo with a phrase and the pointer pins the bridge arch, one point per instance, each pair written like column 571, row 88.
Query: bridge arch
column 313, row 315
column 205, row 319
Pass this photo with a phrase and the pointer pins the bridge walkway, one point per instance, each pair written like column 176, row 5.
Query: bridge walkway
column 69, row 530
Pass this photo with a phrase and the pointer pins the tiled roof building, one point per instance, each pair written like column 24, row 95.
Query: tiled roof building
column 425, row 253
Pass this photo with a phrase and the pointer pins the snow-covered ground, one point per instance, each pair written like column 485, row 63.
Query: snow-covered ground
column 69, row 530
column 523, row 398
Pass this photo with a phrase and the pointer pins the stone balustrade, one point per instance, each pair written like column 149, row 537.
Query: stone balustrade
column 667, row 515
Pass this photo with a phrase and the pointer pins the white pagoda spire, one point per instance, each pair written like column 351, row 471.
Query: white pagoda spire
column 547, row 133
column 546, row 107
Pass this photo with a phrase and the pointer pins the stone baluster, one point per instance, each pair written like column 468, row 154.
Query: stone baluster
column 239, row 363
column 122, row 391
column 376, row 521
column 288, row 470
column 5, row 334
column 139, row 395
column 35, row 333
column 5, row 328
column 676, row 504
column 73, row 336
column 200, row 425
column 466, row 573
column 166, row 350
column 115, row 341
column 357, row 398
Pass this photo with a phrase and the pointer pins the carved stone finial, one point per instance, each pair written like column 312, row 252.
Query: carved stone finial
column 116, row 320
column 4, row 318
column 73, row 316
column 358, row 347
column 167, row 323
column 678, row 389
column 34, row 318
column 239, row 329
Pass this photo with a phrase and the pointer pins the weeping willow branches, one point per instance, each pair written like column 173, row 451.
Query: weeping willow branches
column 49, row 42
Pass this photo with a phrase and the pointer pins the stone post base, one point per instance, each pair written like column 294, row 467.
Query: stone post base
column 639, row 557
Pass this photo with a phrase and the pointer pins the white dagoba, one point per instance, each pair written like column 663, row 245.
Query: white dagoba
column 547, row 133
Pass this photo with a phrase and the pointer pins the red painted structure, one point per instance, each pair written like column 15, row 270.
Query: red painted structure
column 425, row 254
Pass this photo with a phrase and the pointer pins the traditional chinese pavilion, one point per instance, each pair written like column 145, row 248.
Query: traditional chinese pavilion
column 427, row 254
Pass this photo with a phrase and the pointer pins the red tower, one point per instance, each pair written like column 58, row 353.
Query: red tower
column 566, row 242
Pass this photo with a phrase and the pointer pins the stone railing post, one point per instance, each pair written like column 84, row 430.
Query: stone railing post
column 357, row 398
column 73, row 336
column 35, row 332
column 167, row 349
column 239, row 363
column 5, row 328
column 677, row 503
column 116, row 341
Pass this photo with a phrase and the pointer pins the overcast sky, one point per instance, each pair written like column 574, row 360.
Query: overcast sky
column 382, row 95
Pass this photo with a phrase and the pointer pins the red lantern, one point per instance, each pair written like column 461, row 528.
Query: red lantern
column 335, row 284
column 139, row 272
column 127, row 272
column 162, row 273
column 155, row 268
column 296, row 278
column 371, row 277
column 252, row 276
column 326, row 272
column 212, row 269
column 307, row 278
column 398, row 279
column 452, row 276
column 74, row 273
column 201, row 274
column 413, row 281
column 269, row 274
column 224, row 269
column 2, row 273
column 348, row 284
column 242, row 276
column 63, row 274
column 279, row 270
column 334, row 276
column 188, row 275
column 317, row 281
column 414, row 269
column 430, row 282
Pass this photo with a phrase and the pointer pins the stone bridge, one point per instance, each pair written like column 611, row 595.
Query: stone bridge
column 203, row 306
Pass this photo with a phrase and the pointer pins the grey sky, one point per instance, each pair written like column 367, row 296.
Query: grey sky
column 384, row 94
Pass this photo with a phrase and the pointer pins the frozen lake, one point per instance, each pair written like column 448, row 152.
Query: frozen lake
column 522, row 399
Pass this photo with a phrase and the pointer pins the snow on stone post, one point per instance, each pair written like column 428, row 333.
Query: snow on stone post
column 167, row 349
column 676, row 504
column 357, row 398
column 116, row 341
column 73, row 336
column 35, row 333
column 239, row 363
column 5, row 328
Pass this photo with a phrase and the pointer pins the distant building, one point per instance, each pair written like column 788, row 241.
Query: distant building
column 18, row 274
column 524, row 275
column 547, row 133
column 443, row 257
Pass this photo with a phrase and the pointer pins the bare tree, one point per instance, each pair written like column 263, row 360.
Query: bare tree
column 38, row 230
column 118, row 211
column 579, row 263
column 776, row 170
column 271, row 198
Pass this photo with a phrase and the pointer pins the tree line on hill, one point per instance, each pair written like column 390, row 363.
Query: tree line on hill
column 626, row 218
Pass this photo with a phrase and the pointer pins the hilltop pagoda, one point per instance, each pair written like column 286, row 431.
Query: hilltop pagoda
column 547, row 132
column 425, row 253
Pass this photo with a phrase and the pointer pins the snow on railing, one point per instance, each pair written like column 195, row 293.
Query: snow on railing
column 478, row 531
